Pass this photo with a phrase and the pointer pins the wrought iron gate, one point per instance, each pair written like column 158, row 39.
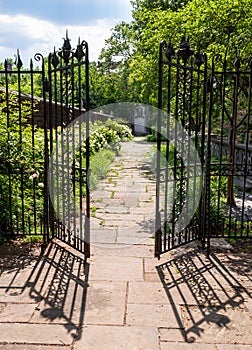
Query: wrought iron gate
column 180, row 144
column 44, row 170
column 68, row 157
column 203, row 161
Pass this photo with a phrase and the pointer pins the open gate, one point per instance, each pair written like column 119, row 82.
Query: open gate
column 67, row 89
column 181, row 147
column 204, row 157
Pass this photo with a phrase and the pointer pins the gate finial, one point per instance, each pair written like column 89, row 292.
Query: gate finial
column 55, row 60
column 79, row 53
column 18, row 61
column 199, row 59
column 185, row 51
column 170, row 53
column 66, row 48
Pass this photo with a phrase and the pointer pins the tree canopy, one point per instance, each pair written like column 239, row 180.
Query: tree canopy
column 128, row 62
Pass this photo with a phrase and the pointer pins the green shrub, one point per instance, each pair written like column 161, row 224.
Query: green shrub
column 21, row 168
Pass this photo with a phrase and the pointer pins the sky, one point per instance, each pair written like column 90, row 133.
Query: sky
column 36, row 26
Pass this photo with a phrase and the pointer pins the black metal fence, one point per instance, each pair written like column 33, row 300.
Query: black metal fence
column 206, row 107
column 22, row 150
column 37, row 105
column 229, row 170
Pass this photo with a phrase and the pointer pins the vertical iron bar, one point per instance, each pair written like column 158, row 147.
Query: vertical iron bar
column 202, row 154
column 87, row 222
column 62, row 123
column 167, row 238
column 196, row 230
column 175, row 160
column 46, row 162
column 21, row 149
column 50, row 176
column 231, row 156
column 190, row 175
column 33, row 148
column 53, row 98
column 74, row 228
column 80, row 125
column 10, row 175
column 207, row 219
column 220, row 161
column 247, row 146
column 158, row 230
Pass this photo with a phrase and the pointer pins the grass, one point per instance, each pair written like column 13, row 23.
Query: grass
column 93, row 210
column 99, row 166
column 32, row 239
column 24, row 239
column 241, row 245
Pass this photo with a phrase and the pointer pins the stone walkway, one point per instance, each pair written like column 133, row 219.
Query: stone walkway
column 123, row 298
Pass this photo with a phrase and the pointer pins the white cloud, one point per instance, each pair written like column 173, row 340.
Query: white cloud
column 31, row 35
column 65, row 12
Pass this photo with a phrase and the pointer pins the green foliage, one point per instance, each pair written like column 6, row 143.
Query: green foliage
column 105, row 136
column 122, row 130
column 128, row 67
column 21, row 168
column 173, row 5
column 32, row 239
column 218, row 200
column 104, row 143
column 99, row 165
column 25, row 83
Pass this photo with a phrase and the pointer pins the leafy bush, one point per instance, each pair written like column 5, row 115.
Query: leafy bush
column 21, row 168
column 99, row 165
column 122, row 130
column 105, row 136
column 104, row 142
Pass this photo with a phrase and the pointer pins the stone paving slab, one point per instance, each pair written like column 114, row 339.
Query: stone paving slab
column 33, row 347
column 21, row 295
column 116, row 268
column 226, row 325
column 248, row 304
column 137, row 231
column 146, row 293
column 233, row 347
column 103, row 235
column 178, row 346
column 171, row 334
column 128, row 218
column 151, row 315
column 36, row 333
column 151, row 277
column 105, row 303
column 16, row 312
column 122, row 250
column 118, row 338
column 134, row 240
column 66, row 307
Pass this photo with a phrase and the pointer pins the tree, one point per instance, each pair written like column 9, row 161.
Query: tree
column 173, row 5
column 214, row 27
